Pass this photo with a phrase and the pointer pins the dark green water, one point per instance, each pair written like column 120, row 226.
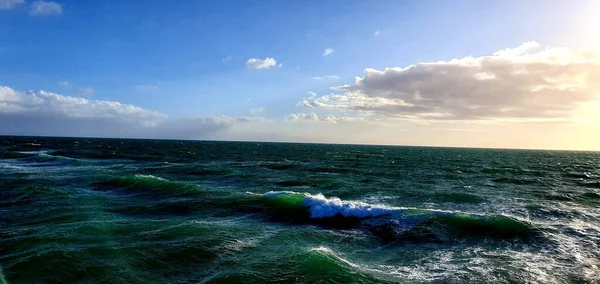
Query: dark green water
column 140, row 211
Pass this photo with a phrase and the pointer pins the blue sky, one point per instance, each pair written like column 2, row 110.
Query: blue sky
column 188, row 58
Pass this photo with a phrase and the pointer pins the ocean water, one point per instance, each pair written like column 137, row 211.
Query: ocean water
column 144, row 211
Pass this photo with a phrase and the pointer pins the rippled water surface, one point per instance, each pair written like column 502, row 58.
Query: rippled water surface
column 144, row 211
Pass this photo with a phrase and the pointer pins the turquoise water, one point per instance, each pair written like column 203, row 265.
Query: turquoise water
column 144, row 211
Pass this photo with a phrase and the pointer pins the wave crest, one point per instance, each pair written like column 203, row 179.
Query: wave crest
column 147, row 185
column 395, row 223
column 322, row 207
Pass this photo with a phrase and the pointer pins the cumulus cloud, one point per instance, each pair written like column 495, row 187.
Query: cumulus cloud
column 44, row 113
column 526, row 82
column 335, row 119
column 254, row 63
column 329, row 77
column 330, row 118
column 40, row 8
column 299, row 117
column 328, row 51
column 85, row 91
column 50, row 103
column 10, row 4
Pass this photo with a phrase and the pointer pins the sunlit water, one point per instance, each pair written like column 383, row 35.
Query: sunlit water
column 141, row 211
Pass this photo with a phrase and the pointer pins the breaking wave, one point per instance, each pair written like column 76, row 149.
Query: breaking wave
column 321, row 207
column 394, row 223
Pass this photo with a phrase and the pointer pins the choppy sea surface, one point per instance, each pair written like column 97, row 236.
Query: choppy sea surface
column 146, row 211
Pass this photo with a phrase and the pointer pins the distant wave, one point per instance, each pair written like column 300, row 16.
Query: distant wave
column 583, row 175
column 146, row 185
column 15, row 155
column 40, row 158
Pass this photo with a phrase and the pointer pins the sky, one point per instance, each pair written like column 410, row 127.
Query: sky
column 502, row 74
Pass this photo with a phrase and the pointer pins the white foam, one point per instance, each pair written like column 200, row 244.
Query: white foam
column 329, row 252
column 322, row 207
column 273, row 194
column 10, row 166
column 150, row 177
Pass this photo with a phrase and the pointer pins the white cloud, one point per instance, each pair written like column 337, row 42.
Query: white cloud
column 228, row 58
column 63, row 84
column 376, row 33
column 328, row 51
column 306, row 117
column 526, row 82
column 10, row 4
column 259, row 110
column 335, row 119
column 8, row 95
column 85, row 91
column 40, row 8
column 329, row 77
column 330, row 118
column 44, row 113
column 254, row 63
column 522, row 49
column 146, row 88
column 50, row 103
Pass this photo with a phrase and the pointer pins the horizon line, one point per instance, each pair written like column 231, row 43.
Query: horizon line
column 304, row 142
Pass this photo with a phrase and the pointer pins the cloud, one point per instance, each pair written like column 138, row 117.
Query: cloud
column 330, row 118
column 44, row 113
column 300, row 117
column 40, row 8
column 45, row 103
column 146, row 88
column 328, row 51
column 63, row 84
column 225, row 59
column 254, row 63
column 376, row 33
column 259, row 110
column 522, row 49
column 10, row 4
column 329, row 77
column 335, row 119
column 523, row 83
column 85, row 91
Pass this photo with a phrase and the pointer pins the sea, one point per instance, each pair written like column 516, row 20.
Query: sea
column 82, row 210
